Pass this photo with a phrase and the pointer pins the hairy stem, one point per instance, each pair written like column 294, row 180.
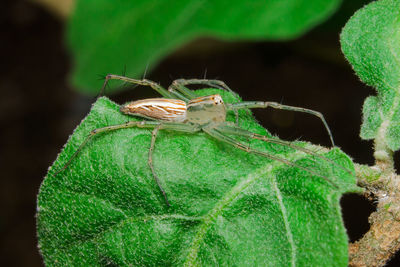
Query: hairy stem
column 382, row 240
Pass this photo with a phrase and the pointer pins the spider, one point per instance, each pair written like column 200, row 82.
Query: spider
column 181, row 110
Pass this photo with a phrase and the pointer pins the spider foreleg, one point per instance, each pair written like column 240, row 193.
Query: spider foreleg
column 275, row 105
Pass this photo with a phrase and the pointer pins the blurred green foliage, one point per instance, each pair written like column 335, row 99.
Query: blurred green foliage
column 104, row 36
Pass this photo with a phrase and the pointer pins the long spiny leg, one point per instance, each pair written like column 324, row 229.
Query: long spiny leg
column 150, row 162
column 242, row 132
column 130, row 124
column 179, row 127
column 275, row 105
column 226, row 139
column 144, row 82
column 180, row 85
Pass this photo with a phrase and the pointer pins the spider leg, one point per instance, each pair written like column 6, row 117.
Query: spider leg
column 144, row 82
column 173, row 126
column 150, row 162
column 242, row 132
column 180, row 127
column 275, row 105
column 214, row 132
column 180, row 85
column 97, row 131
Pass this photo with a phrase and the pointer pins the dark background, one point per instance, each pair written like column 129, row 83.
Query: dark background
column 39, row 109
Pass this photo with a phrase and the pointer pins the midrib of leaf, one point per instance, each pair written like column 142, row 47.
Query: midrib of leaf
column 265, row 172
column 286, row 221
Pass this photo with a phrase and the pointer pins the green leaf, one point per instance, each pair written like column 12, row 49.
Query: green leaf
column 106, row 36
column 371, row 43
column 228, row 207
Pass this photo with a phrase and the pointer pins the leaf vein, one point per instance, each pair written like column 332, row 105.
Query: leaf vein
column 286, row 222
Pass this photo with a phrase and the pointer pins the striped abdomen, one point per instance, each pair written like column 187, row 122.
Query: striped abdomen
column 157, row 108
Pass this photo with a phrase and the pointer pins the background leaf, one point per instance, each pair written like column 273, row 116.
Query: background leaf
column 228, row 208
column 105, row 36
column 371, row 43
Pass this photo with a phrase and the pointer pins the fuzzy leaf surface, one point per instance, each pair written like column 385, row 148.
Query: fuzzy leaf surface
column 228, row 207
column 106, row 36
column 371, row 43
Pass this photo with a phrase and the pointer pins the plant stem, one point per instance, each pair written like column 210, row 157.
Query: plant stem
column 382, row 240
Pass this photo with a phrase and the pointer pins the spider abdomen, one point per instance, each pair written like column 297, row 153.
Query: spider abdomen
column 157, row 108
